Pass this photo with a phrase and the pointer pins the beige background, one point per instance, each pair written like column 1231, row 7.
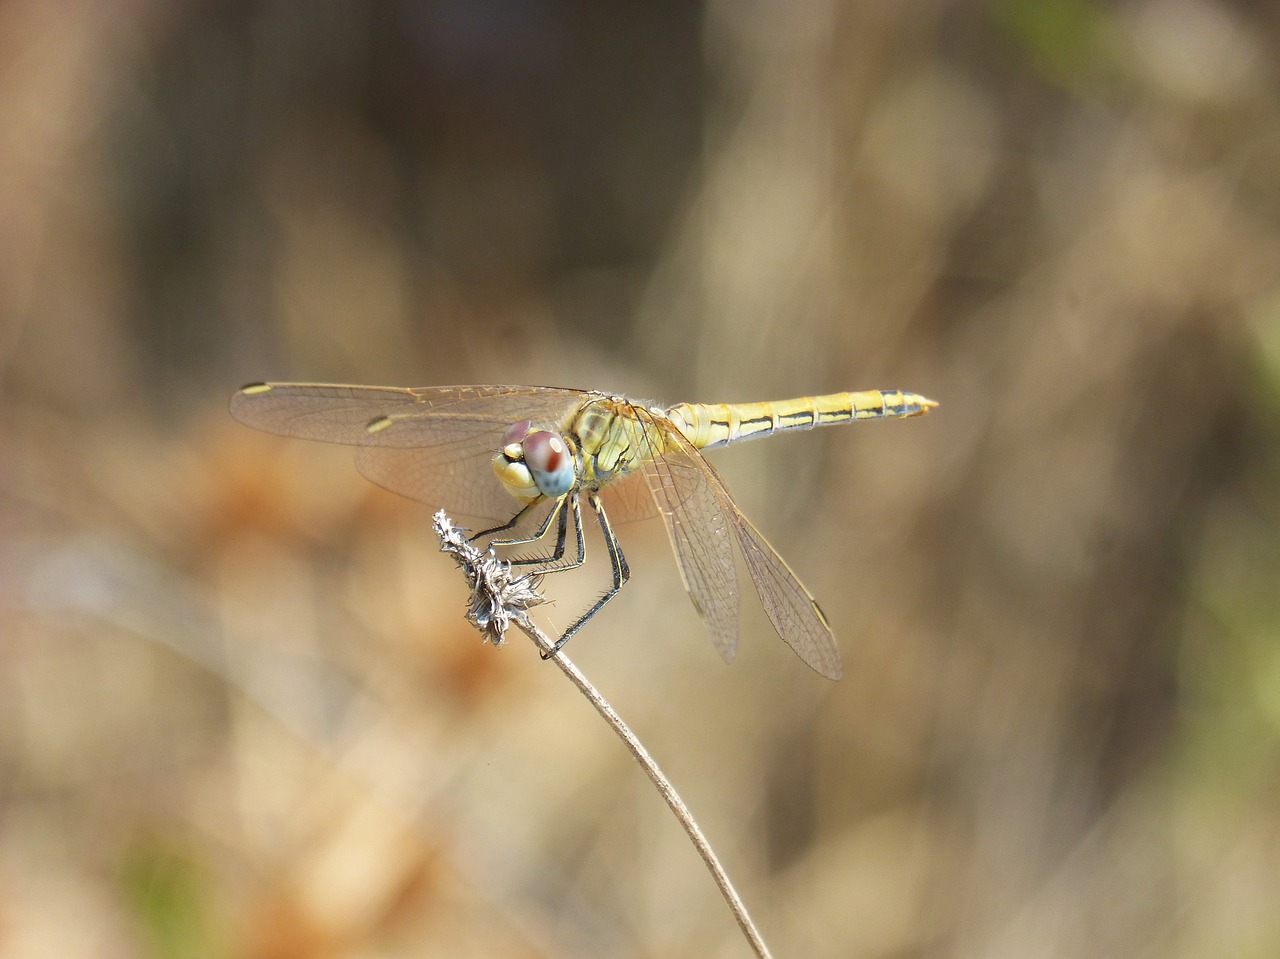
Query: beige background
column 240, row 713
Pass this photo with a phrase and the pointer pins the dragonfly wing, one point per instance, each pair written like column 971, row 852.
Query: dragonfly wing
column 791, row 608
column 431, row 444
column 682, row 489
column 424, row 416
column 455, row 477
column 628, row 499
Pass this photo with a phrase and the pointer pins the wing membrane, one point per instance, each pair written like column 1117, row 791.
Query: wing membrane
column 700, row 533
column 424, row 416
column 629, row 499
column 432, row 444
column 678, row 478
column 791, row 608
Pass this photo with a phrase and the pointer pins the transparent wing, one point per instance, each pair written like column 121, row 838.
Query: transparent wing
column 681, row 486
column 458, row 479
column 790, row 607
column 628, row 499
column 425, row 416
column 432, row 443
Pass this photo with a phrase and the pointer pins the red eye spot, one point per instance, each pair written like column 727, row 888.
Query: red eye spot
column 544, row 452
column 515, row 432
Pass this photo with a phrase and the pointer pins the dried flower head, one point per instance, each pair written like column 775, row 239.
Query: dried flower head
column 497, row 597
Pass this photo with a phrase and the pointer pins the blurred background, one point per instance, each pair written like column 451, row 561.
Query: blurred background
column 240, row 712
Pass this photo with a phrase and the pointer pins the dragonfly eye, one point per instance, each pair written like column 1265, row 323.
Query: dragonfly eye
column 515, row 433
column 512, row 439
column 549, row 462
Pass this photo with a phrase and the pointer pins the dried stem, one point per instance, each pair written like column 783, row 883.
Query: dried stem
column 499, row 599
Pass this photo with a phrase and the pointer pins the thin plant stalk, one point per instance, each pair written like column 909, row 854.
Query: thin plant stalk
column 499, row 600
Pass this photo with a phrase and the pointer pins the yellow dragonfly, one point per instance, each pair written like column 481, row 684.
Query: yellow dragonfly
column 549, row 449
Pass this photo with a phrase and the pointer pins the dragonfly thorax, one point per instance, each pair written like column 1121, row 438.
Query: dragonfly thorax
column 534, row 463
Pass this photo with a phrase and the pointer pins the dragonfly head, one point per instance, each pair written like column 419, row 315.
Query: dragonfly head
column 534, row 463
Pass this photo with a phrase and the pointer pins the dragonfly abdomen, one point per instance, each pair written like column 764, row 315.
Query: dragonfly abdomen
column 708, row 425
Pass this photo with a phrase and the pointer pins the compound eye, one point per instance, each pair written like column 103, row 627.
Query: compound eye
column 512, row 439
column 544, row 452
column 516, row 432
column 549, row 462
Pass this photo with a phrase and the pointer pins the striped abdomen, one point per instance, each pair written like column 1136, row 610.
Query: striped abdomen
column 715, row 424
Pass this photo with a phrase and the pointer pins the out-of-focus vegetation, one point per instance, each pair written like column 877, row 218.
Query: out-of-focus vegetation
column 240, row 713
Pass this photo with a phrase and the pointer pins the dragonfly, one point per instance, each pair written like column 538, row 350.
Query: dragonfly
column 522, row 460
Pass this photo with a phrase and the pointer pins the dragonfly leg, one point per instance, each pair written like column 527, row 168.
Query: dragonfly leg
column 553, row 564
column 621, row 572
column 552, row 514
column 510, row 524
column 555, row 513
column 561, row 515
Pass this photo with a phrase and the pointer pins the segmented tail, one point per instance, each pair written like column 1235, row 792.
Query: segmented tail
column 708, row 425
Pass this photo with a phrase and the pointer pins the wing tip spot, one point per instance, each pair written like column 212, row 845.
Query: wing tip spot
column 255, row 389
column 378, row 424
